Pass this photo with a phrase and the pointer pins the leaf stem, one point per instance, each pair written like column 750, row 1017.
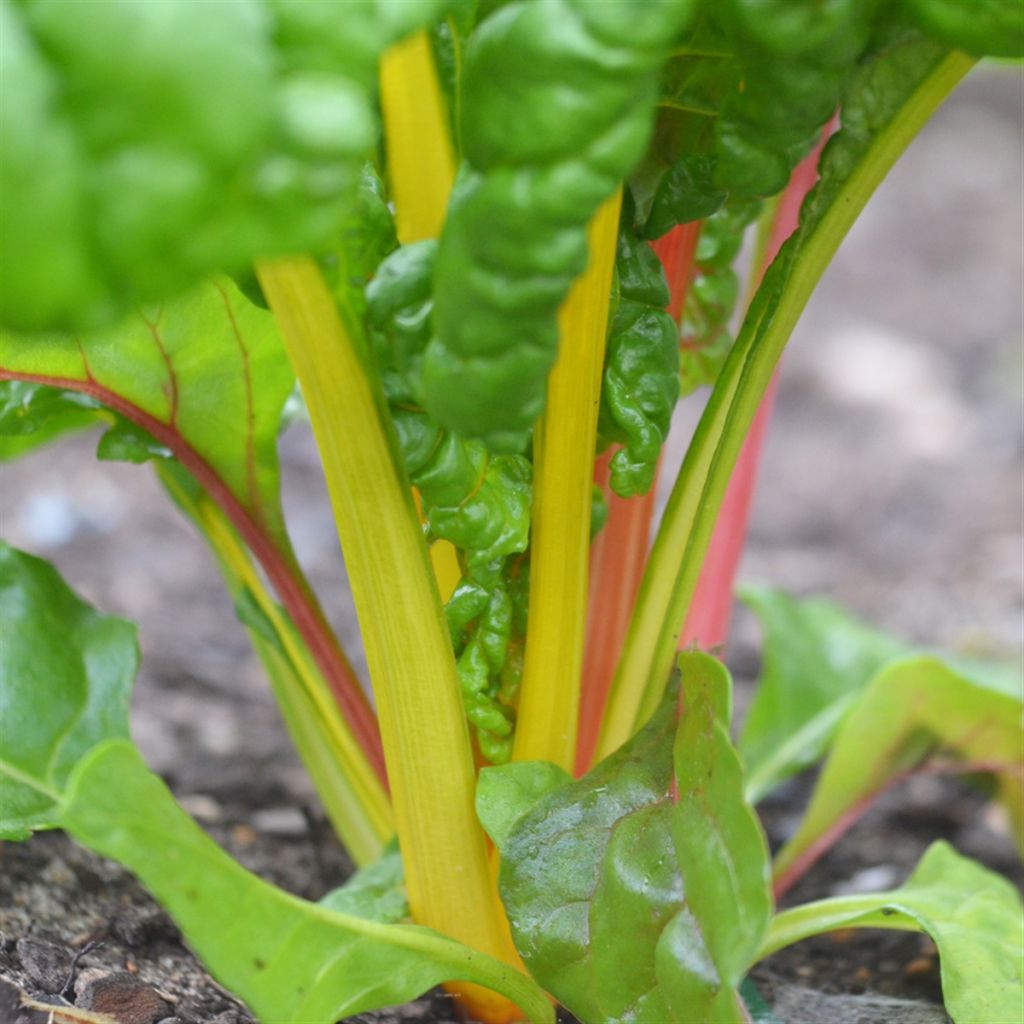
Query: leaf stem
column 707, row 621
column 690, row 515
column 421, row 164
column 421, row 170
column 426, row 741
column 618, row 553
column 285, row 576
column 864, row 910
column 564, row 440
column 353, row 797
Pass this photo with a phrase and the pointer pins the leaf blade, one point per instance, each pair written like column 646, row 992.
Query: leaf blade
column 616, row 854
column 289, row 959
column 912, row 709
column 974, row 916
column 50, row 633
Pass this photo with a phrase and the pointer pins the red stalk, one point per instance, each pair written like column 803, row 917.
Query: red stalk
column 292, row 590
column 619, row 551
column 784, row 882
column 707, row 623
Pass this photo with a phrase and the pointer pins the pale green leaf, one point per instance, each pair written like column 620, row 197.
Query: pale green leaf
column 973, row 915
column 66, row 674
column 815, row 659
column 504, row 793
column 912, row 710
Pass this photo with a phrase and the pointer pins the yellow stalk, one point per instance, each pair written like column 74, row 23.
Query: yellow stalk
column 421, row 165
column 355, row 801
column 419, row 705
column 421, row 168
column 560, row 534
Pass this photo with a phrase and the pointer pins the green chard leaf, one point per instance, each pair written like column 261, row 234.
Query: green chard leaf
column 505, row 794
column 993, row 27
column 204, row 378
column 578, row 81
column 816, row 660
column 973, row 915
column 66, row 674
column 204, row 375
column 620, row 853
column 65, row 759
column 913, row 709
column 640, row 386
column 224, row 132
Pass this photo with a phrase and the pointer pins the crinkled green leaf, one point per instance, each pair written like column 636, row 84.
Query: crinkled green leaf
column 993, row 27
column 506, row 792
column 615, row 854
column 290, row 960
column 557, row 104
column 205, row 372
column 815, row 660
column 222, row 132
column 376, row 892
column 66, row 674
column 913, row 709
column 973, row 915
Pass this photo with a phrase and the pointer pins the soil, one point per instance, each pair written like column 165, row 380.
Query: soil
column 891, row 483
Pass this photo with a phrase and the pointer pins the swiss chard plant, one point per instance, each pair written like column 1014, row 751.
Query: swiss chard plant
column 490, row 243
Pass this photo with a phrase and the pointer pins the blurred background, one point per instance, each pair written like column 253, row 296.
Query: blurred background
column 892, row 480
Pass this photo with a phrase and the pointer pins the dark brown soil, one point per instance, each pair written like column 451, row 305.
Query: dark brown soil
column 892, row 483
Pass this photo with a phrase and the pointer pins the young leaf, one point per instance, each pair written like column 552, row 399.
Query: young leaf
column 615, row 854
column 504, row 793
column 376, row 892
column 973, row 915
column 52, row 637
column 912, row 709
column 288, row 959
column 816, row 660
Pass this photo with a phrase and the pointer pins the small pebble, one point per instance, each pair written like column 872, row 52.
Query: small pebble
column 202, row 807
column 46, row 964
column 243, row 835
column 124, row 997
column 280, row 821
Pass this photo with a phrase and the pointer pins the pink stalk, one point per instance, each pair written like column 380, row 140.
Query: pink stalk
column 619, row 551
column 707, row 623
